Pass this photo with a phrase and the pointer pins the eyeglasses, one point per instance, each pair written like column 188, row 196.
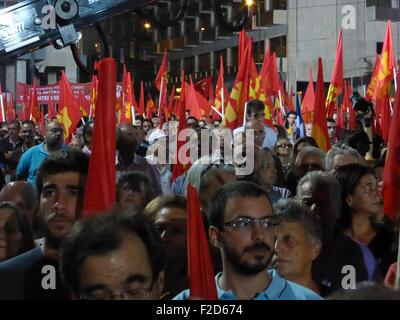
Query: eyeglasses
column 129, row 294
column 244, row 223
column 285, row 145
column 370, row 189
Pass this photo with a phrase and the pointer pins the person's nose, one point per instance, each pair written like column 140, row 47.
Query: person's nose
column 258, row 232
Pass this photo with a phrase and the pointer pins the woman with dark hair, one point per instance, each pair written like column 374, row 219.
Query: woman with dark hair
column 361, row 202
column 15, row 233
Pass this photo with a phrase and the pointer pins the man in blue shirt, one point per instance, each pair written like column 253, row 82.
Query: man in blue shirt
column 32, row 158
column 243, row 228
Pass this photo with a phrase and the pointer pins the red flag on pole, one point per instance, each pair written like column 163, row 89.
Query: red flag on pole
column 320, row 128
column 201, row 274
column 101, row 188
column 34, row 105
column 69, row 114
column 386, row 66
column 391, row 175
column 162, row 72
column 336, row 86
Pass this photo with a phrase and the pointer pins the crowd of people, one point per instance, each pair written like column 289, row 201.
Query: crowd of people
column 304, row 224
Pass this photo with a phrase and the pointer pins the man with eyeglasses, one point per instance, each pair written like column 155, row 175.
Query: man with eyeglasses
column 256, row 112
column 242, row 226
column 32, row 158
column 117, row 256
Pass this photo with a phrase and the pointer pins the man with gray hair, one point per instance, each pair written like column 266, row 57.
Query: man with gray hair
column 339, row 156
column 298, row 243
column 308, row 159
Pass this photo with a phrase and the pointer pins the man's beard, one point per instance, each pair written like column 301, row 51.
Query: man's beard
column 243, row 267
column 52, row 241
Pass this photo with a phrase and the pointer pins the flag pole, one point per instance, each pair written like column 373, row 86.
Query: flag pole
column 219, row 113
column 395, row 79
column 222, row 102
column 2, row 107
column 281, row 105
column 245, row 115
column 133, row 114
column 159, row 99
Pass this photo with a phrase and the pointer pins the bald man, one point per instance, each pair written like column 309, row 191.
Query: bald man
column 24, row 195
column 32, row 159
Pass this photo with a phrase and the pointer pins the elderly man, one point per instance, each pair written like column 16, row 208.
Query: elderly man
column 308, row 159
column 340, row 156
column 242, row 226
column 112, row 257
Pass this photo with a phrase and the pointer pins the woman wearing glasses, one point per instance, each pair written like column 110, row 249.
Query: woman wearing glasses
column 360, row 204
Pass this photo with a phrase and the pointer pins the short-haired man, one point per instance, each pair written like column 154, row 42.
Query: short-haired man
column 256, row 111
column 13, row 141
column 340, row 156
column 298, row 243
column 114, row 256
column 128, row 140
column 24, row 195
column 331, row 124
column 60, row 183
column 32, row 159
column 242, row 226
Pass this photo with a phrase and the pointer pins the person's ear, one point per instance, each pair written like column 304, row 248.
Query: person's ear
column 316, row 250
column 349, row 200
column 215, row 236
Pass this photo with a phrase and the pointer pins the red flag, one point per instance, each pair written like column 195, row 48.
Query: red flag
column 384, row 106
column 178, row 169
column 220, row 91
column 171, row 101
column 11, row 109
column 162, row 72
column 370, row 94
column 387, row 64
column 270, row 81
column 69, row 114
column 196, row 103
column 141, row 99
column 234, row 112
column 353, row 125
column 52, row 110
column 34, row 105
column 391, row 175
column 336, row 86
column 320, row 128
column 201, row 274
column 101, row 189
column 150, row 106
column 203, row 87
column 307, row 107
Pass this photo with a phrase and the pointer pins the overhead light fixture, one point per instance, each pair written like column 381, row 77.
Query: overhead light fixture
column 202, row 29
column 249, row 3
column 147, row 25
